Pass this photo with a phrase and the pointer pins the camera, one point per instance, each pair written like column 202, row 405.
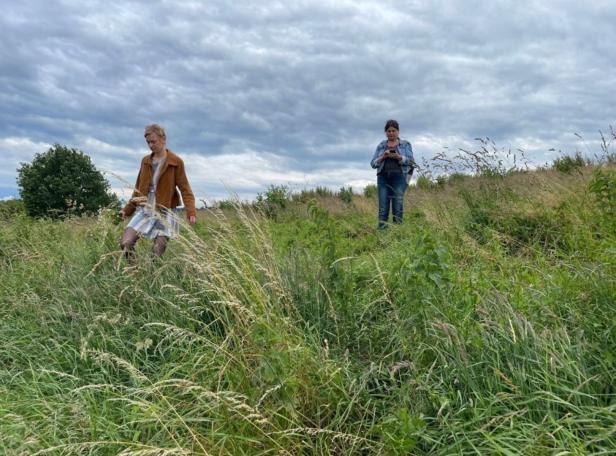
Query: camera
column 392, row 151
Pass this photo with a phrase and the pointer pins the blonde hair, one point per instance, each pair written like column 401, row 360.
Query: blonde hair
column 155, row 129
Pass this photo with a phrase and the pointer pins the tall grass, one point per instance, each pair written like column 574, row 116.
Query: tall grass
column 483, row 325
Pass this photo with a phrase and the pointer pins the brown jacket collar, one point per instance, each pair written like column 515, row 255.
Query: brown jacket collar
column 171, row 160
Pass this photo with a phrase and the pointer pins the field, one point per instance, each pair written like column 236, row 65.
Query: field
column 485, row 324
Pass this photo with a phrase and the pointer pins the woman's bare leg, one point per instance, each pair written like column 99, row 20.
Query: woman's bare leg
column 129, row 239
column 160, row 245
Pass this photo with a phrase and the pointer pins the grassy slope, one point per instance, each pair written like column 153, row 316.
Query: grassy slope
column 484, row 324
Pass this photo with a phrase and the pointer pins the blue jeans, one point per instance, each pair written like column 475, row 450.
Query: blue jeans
column 391, row 186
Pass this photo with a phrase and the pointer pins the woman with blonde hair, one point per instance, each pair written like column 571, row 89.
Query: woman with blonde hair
column 155, row 197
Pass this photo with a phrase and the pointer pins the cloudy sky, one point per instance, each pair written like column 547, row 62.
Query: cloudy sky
column 296, row 93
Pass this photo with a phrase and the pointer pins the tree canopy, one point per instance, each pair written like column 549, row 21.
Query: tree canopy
column 62, row 181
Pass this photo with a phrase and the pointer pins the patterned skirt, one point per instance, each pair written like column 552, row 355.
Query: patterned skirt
column 150, row 225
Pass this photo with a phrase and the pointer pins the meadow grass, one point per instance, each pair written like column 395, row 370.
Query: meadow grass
column 482, row 325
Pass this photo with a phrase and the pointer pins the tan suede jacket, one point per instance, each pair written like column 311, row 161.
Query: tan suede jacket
column 172, row 177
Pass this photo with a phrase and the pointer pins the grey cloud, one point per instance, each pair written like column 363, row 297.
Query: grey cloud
column 312, row 81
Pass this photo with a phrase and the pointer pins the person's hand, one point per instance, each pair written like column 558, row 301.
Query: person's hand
column 192, row 220
column 394, row 155
column 139, row 200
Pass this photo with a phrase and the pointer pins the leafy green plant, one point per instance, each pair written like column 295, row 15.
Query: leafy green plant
column 603, row 187
column 275, row 198
column 324, row 227
column 401, row 431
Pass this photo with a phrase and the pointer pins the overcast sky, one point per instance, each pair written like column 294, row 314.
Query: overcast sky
column 253, row 93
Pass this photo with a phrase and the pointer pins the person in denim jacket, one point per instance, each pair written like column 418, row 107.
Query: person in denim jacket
column 393, row 160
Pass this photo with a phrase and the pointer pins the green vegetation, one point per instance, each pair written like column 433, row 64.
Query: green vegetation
column 346, row 194
column 62, row 182
column 275, row 198
column 11, row 208
column 568, row 164
column 424, row 183
column 371, row 191
column 485, row 324
column 317, row 192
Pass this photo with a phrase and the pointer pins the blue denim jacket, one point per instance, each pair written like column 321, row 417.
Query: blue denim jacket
column 404, row 148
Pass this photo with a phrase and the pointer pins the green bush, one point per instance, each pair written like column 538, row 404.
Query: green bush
column 323, row 191
column 62, row 181
column 306, row 195
column 346, row 194
column 457, row 177
column 425, row 183
column 569, row 164
column 370, row 191
column 225, row 204
column 275, row 198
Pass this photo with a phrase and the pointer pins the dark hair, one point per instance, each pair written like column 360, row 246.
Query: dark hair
column 392, row 123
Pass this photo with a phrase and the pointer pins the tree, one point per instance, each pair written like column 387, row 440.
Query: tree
column 62, row 181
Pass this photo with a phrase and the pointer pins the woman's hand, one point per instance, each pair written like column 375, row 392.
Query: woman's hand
column 394, row 155
column 386, row 155
column 139, row 200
